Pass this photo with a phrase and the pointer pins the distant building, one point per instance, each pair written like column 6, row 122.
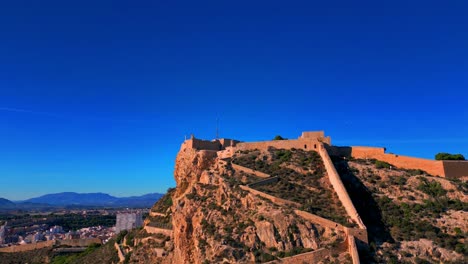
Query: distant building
column 127, row 221
column 2, row 234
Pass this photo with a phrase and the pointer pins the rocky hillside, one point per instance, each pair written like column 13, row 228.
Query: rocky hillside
column 213, row 220
column 266, row 206
column 411, row 216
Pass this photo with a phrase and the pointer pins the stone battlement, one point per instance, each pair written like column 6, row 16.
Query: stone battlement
column 311, row 140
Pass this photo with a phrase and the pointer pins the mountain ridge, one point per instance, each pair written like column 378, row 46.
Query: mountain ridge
column 82, row 199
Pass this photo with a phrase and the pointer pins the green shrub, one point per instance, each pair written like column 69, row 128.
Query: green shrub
column 448, row 156
column 382, row 164
column 278, row 137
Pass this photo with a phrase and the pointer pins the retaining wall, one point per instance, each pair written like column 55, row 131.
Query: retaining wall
column 352, row 250
column 119, row 252
column 339, row 188
column 314, row 256
column 305, row 144
column 156, row 230
column 455, row 169
column 264, row 182
column 250, row 171
column 319, row 220
column 273, row 199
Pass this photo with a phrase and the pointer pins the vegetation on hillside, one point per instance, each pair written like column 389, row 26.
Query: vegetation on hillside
column 301, row 179
column 400, row 205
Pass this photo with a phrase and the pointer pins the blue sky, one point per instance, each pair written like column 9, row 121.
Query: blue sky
column 97, row 96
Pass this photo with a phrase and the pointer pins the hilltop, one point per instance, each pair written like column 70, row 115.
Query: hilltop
column 304, row 201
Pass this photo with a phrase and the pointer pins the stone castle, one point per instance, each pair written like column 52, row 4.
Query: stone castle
column 315, row 139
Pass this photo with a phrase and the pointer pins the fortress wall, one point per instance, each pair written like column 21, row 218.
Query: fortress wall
column 155, row 230
column 316, row 135
column 339, row 188
column 358, row 233
column 273, row 199
column 314, row 256
column 28, row 247
column 305, row 144
column 455, row 169
column 319, row 220
column 204, row 144
column 119, row 252
column 352, row 250
column 432, row 167
column 250, row 171
column 264, row 182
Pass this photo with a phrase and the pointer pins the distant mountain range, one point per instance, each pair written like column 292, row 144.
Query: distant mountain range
column 72, row 199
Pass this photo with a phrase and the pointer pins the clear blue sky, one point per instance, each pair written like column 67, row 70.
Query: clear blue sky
column 98, row 95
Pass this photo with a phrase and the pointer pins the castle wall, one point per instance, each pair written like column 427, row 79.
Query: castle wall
column 250, row 171
column 455, row 169
column 155, row 230
column 305, row 144
column 352, row 250
column 204, row 144
column 273, row 199
column 264, row 182
column 119, row 252
column 314, row 256
column 319, row 220
column 432, row 167
column 339, row 188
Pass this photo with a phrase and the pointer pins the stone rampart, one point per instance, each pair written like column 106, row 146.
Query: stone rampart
column 358, row 233
column 305, row 144
column 250, row 171
column 455, row 169
column 273, row 199
column 319, row 220
column 352, row 250
column 314, row 256
column 339, row 188
column 119, row 252
column 263, row 182
column 156, row 230
column 433, row 167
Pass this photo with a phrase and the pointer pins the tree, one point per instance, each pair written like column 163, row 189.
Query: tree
column 448, row 156
column 278, row 137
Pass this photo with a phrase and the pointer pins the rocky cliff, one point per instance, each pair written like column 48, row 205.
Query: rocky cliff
column 213, row 220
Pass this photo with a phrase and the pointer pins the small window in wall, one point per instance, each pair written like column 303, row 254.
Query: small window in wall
column 305, row 146
column 315, row 146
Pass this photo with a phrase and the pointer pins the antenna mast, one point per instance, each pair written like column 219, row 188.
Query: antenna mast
column 217, row 127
